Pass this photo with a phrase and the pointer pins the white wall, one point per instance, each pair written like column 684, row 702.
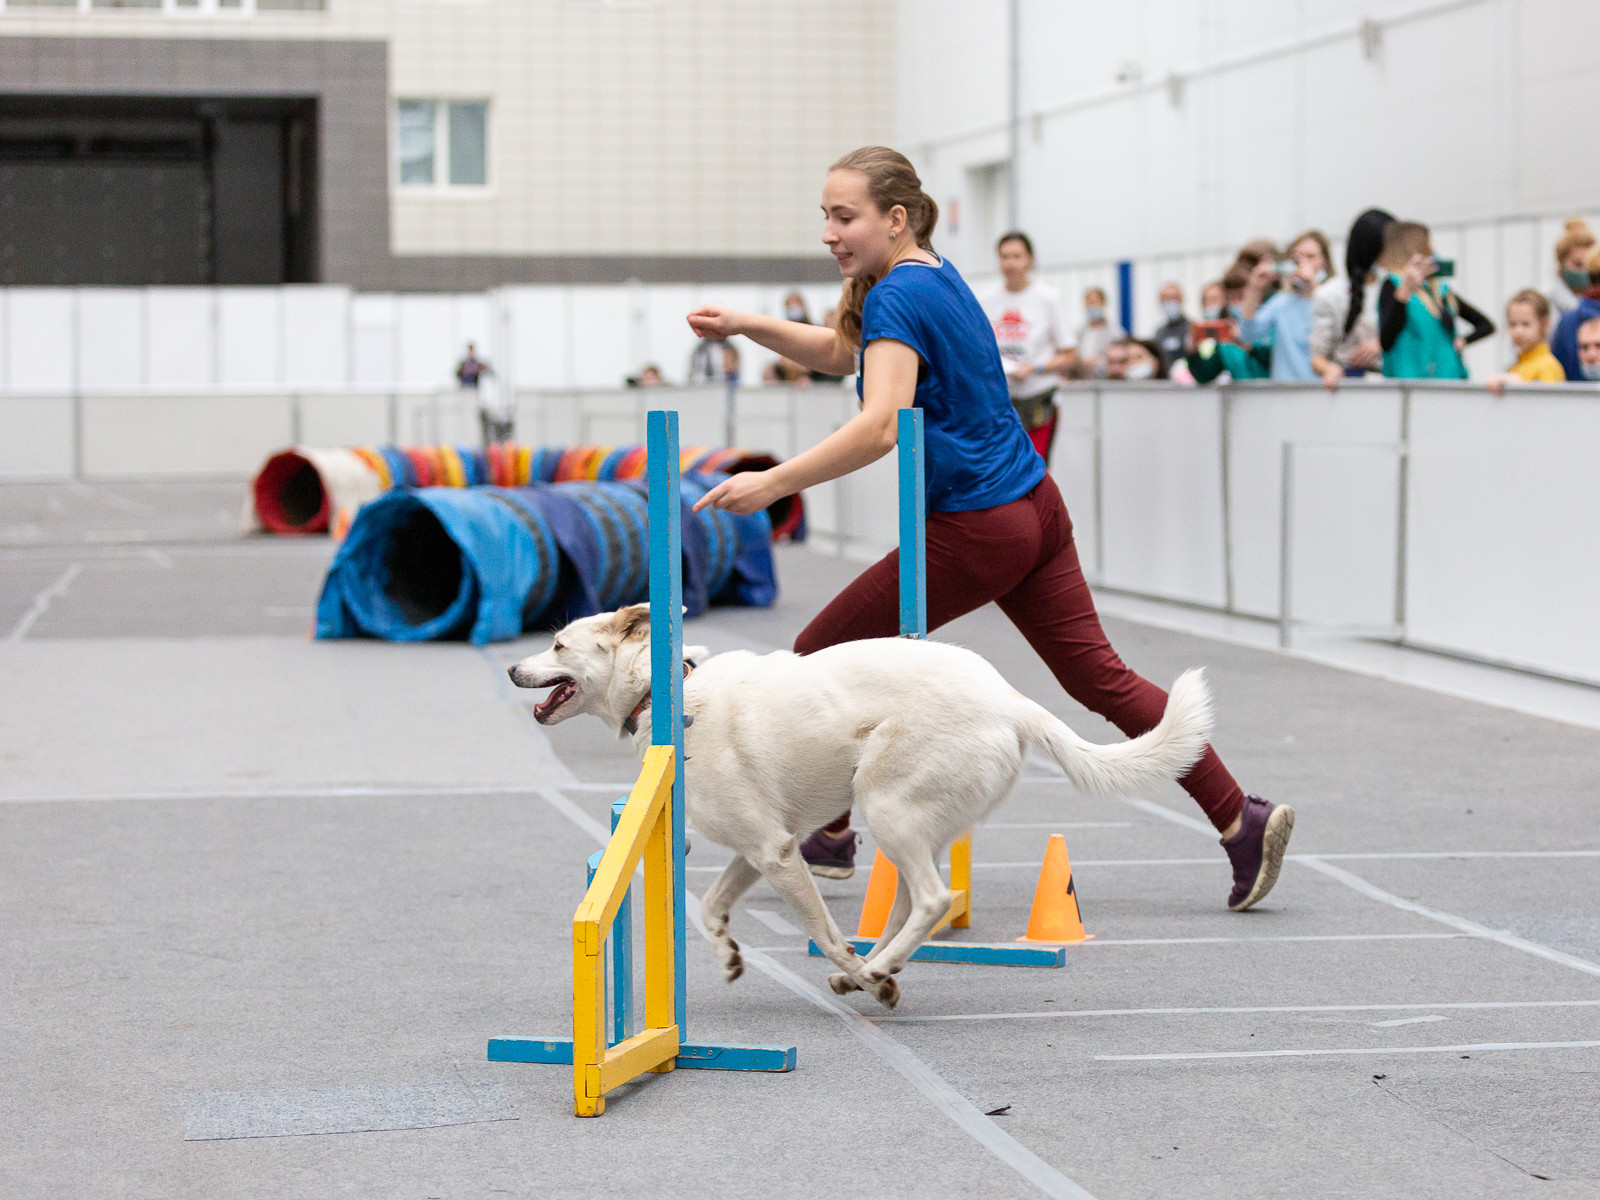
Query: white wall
column 1278, row 121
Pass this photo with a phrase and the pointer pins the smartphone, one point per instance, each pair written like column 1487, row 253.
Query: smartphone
column 1444, row 268
column 1222, row 331
column 1284, row 266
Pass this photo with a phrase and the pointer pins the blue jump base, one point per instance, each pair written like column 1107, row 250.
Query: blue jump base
column 695, row 1056
column 1004, row 954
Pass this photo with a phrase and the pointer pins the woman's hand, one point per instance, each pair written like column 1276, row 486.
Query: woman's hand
column 746, row 492
column 1367, row 354
column 716, row 321
column 1261, row 277
column 1332, row 377
column 1021, row 371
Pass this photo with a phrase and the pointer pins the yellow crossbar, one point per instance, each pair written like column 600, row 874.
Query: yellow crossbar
column 642, row 1052
column 622, row 853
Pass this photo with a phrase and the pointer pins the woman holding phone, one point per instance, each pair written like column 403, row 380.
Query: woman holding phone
column 997, row 529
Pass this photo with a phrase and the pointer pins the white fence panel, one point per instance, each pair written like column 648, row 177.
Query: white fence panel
column 250, row 336
column 1344, row 518
column 182, row 436
column 1261, row 418
column 348, row 419
column 1161, row 452
column 181, row 332
column 1503, row 506
column 36, row 437
column 428, row 349
column 374, row 357
column 316, row 336
column 540, row 318
column 1072, row 465
column 40, row 339
column 111, row 338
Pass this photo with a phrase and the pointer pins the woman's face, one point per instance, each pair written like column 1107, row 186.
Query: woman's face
column 859, row 237
column 1015, row 263
column 1577, row 259
column 1308, row 259
column 1213, row 297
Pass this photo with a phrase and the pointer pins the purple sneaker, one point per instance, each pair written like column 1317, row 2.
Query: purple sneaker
column 1256, row 851
column 831, row 856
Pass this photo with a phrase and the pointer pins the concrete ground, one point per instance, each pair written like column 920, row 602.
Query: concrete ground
column 251, row 883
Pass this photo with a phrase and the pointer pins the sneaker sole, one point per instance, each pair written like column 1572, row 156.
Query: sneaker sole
column 1274, row 841
column 831, row 872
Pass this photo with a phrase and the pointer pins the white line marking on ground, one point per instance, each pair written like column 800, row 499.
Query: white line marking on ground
column 919, row 1074
column 1357, row 857
column 773, row 921
column 1444, row 918
column 1433, row 914
column 335, row 793
column 1166, row 814
column 1034, row 865
column 1463, row 1005
column 41, row 602
column 104, row 536
column 156, row 556
column 1378, row 1050
column 1408, row 1021
column 1281, row 937
column 1055, row 825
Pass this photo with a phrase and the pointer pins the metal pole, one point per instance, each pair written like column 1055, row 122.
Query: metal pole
column 1225, row 416
column 913, row 528
column 1401, row 514
column 1099, row 492
column 666, row 662
column 730, row 416
column 1285, row 545
column 1014, row 113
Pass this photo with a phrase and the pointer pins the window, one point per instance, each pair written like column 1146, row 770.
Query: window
column 442, row 143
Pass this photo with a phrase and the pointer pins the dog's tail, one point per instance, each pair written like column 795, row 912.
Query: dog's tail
column 1165, row 752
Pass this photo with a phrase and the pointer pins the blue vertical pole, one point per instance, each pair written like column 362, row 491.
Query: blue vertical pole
column 621, row 953
column 913, row 537
column 666, row 662
column 1125, row 295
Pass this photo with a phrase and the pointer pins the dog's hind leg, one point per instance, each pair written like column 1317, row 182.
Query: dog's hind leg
column 929, row 901
column 897, row 917
column 716, row 906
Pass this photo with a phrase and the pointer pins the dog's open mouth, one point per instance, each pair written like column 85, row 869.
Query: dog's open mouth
column 565, row 688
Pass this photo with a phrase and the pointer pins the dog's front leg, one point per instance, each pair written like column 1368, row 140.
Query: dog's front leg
column 786, row 871
column 716, row 907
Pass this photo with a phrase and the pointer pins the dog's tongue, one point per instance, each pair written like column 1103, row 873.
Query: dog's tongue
column 558, row 695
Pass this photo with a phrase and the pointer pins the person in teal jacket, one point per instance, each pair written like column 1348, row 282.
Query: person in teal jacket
column 1418, row 311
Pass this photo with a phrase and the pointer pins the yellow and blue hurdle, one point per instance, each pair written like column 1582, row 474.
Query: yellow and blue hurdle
column 646, row 827
column 914, row 624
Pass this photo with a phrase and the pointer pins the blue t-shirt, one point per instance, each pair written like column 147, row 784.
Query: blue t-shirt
column 978, row 454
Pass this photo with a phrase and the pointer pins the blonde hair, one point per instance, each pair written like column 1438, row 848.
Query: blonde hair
column 891, row 180
column 1401, row 240
column 1576, row 236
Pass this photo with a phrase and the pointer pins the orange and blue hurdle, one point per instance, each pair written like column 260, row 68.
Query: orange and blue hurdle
column 605, row 1050
column 914, row 624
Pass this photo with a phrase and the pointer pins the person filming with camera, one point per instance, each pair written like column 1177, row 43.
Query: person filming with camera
column 1285, row 319
column 1418, row 309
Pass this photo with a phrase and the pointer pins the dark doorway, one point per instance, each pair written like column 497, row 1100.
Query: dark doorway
column 138, row 190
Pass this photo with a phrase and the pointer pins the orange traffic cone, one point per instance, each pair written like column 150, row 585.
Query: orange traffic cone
column 1055, row 916
column 881, row 885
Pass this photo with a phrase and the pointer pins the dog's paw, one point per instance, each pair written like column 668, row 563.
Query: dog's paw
column 733, row 970
column 842, row 983
column 887, row 993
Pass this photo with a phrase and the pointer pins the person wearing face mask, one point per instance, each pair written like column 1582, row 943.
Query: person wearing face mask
column 1133, row 360
column 1564, row 343
column 1344, row 311
column 1572, row 274
column 1213, row 301
column 1096, row 333
column 1285, row 319
column 1589, row 350
column 1173, row 335
column 1026, row 316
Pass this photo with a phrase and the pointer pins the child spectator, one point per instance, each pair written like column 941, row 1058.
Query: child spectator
column 1213, row 300
column 1096, row 334
column 1417, row 310
column 1564, row 345
column 1285, row 319
column 1528, row 321
column 1344, row 311
column 1572, row 273
column 1026, row 318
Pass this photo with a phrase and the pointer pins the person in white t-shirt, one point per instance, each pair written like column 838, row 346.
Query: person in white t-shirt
column 1034, row 346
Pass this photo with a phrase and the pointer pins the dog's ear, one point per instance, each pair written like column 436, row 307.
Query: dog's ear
column 633, row 622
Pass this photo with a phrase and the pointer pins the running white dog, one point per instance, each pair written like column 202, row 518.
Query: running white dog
column 923, row 739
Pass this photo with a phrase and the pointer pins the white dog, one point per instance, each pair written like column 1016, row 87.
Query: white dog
column 923, row 739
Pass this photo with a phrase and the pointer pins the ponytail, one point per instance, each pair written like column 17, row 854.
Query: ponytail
column 891, row 180
column 1360, row 254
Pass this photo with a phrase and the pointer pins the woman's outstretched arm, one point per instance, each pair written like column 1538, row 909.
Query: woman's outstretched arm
column 815, row 347
column 889, row 384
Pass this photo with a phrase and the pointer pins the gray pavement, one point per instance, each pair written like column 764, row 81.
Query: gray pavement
column 236, row 863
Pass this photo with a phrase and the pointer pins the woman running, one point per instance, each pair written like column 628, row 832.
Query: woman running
column 997, row 529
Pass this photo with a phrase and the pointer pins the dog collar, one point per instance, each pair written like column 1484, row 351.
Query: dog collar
column 631, row 724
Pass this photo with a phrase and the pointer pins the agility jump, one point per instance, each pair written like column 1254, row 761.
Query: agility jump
column 647, row 827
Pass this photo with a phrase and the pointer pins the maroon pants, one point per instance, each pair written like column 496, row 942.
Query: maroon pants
column 1022, row 556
